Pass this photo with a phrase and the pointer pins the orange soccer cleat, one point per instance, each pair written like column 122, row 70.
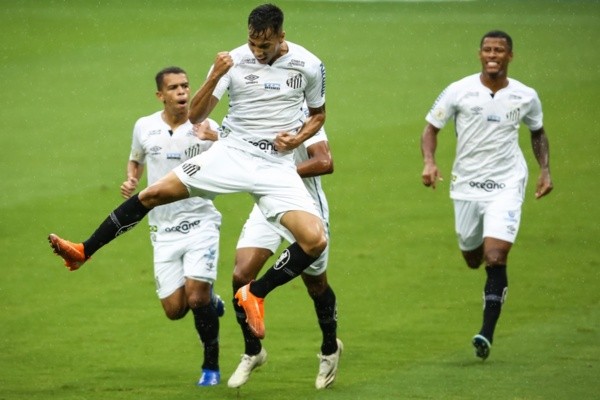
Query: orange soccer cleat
column 72, row 253
column 253, row 306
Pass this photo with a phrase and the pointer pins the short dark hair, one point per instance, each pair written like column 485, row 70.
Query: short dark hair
column 168, row 70
column 499, row 35
column 265, row 18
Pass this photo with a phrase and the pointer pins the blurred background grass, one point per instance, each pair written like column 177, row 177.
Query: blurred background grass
column 77, row 74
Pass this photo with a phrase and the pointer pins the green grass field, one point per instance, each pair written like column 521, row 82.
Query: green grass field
column 77, row 74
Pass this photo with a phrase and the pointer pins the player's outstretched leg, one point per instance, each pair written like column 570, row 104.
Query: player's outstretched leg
column 72, row 253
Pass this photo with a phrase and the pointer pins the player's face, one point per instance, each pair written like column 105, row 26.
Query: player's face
column 266, row 46
column 495, row 55
column 175, row 93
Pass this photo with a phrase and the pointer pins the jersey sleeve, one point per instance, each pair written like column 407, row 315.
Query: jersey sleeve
column 443, row 108
column 222, row 85
column 137, row 153
column 315, row 88
column 534, row 119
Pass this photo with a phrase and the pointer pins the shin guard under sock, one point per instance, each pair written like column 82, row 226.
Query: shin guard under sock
column 494, row 294
column 122, row 219
column 206, row 322
column 289, row 265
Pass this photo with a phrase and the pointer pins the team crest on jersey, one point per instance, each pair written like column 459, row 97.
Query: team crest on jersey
column 294, row 81
column 193, row 150
column 190, row 169
column 514, row 115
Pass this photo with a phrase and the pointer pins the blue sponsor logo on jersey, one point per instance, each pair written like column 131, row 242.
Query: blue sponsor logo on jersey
column 173, row 156
column 272, row 86
column 493, row 118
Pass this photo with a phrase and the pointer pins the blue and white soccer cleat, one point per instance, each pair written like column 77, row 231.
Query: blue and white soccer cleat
column 209, row 378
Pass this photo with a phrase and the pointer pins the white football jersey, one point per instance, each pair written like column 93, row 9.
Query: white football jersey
column 488, row 156
column 267, row 99
column 161, row 149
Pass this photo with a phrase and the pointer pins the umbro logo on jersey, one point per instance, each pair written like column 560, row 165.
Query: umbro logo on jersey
column 155, row 150
column 251, row 78
column 476, row 110
column 190, row 169
column 295, row 81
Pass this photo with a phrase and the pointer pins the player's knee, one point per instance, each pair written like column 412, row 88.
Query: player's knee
column 495, row 257
column 150, row 197
column 198, row 299
column 175, row 312
column 315, row 245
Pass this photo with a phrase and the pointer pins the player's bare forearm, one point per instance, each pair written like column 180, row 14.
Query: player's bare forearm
column 202, row 103
column 314, row 122
column 430, row 174
column 320, row 161
column 134, row 173
column 285, row 141
column 541, row 151
column 541, row 148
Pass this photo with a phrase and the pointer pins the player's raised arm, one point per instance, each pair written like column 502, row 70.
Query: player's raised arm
column 203, row 101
